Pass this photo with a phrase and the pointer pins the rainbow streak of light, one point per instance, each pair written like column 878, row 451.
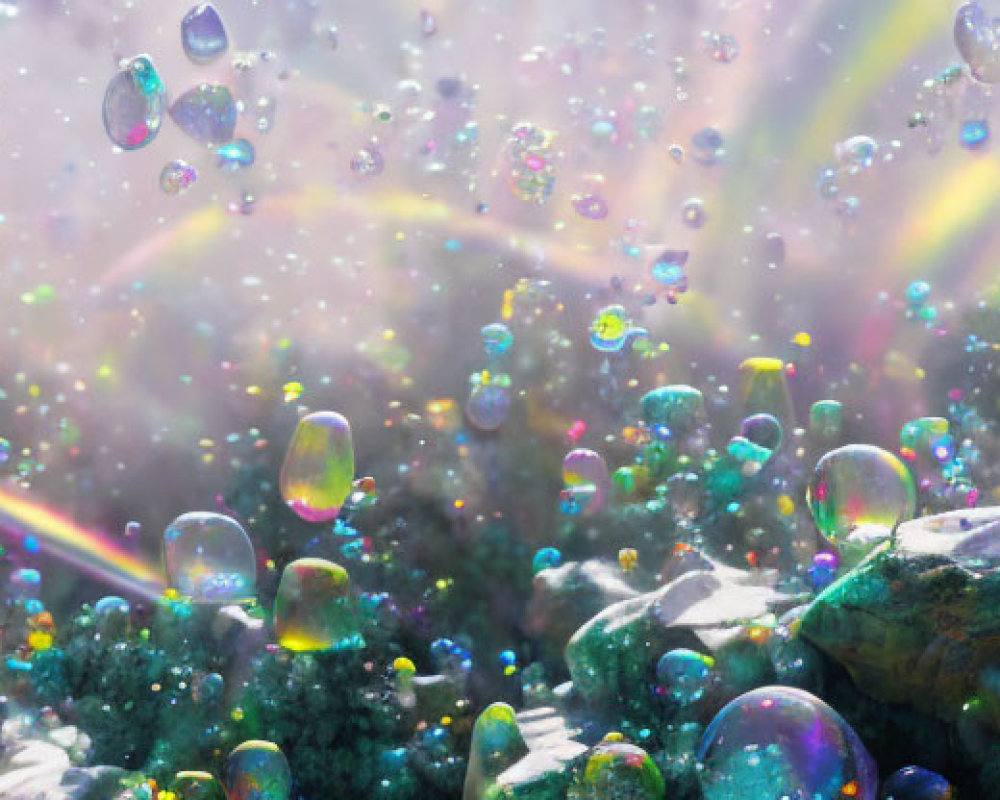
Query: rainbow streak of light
column 85, row 549
column 951, row 209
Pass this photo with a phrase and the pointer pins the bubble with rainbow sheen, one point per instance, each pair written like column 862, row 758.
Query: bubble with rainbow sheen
column 616, row 768
column 318, row 470
column 209, row 558
column 312, row 610
column 856, row 485
column 257, row 770
column 684, row 674
column 777, row 741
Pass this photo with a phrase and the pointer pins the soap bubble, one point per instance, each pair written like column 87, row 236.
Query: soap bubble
column 684, row 674
column 917, row 783
column 859, row 485
column 208, row 557
column 206, row 113
column 177, row 176
column 679, row 407
column 196, row 785
column 312, row 610
column 708, row 146
column 857, row 153
column 546, row 558
column 586, row 469
column 318, row 470
column 693, row 212
column 488, row 406
column 763, row 430
column 611, row 329
column 590, row 206
column 497, row 338
column 450, row 658
column 615, row 768
column 203, row 35
column 823, row 570
column 257, row 770
column 974, row 134
column 778, row 741
column 134, row 103
column 977, row 36
column 235, row 155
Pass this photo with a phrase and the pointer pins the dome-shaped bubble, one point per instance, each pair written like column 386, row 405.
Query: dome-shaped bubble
column 777, row 741
column 859, row 485
column 208, row 557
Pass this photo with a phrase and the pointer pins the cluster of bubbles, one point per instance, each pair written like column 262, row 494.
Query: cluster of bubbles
column 136, row 100
column 531, row 162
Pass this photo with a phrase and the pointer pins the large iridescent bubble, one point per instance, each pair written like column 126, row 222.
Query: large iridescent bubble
column 858, row 485
column 777, row 742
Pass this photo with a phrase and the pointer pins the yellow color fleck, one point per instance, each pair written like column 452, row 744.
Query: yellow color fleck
column 785, row 505
column 39, row 640
column 802, row 339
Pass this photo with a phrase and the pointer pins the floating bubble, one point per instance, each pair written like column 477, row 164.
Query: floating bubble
column 177, row 177
column 266, row 109
column 546, row 558
column 828, row 184
column 668, row 271
column 679, row 407
column 826, row 419
column 196, row 785
column 237, row 154
column 497, row 338
column 257, row 770
column 318, row 471
column 203, row 34
column 208, row 688
column 858, row 485
column 778, row 741
column 857, row 153
column 707, row 146
column 586, row 469
column 693, row 213
column 763, row 430
column 208, row 557
column 312, row 610
column 764, row 389
column 368, row 161
column 977, row 36
column 918, row 293
column 450, row 657
column 590, row 206
column 611, row 329
column 206, row 113
column 823, row 570
column 975, row 133
column 615, row 768
column 488, row 406
column 917, row 783
column 722, row 47
column 684, row 674
column 134, row 103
